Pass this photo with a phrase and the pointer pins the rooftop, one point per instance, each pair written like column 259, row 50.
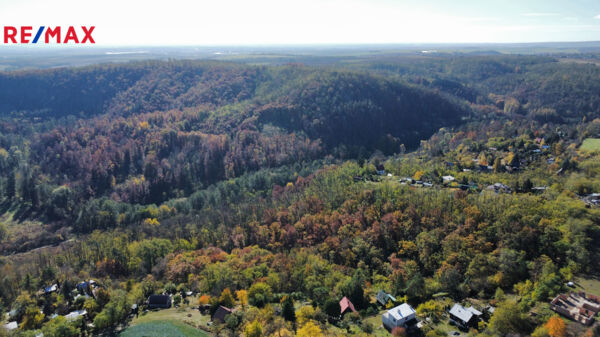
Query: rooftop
column 75, row 314
column 461, row 312
column 345, row 304
column 401, row 311
column 11, row 325
column 581, row 307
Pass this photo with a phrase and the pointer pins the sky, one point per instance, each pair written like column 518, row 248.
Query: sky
column 289, row 22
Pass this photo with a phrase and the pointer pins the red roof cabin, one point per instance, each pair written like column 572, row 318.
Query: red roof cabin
column 345, row 304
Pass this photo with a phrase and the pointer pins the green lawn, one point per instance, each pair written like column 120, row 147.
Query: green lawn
column 162, row 328
column 182, row 321
column 378, row 329
column 589, row 285
column 591, row 144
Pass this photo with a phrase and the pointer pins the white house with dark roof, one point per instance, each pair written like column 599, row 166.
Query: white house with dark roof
column 399, row 316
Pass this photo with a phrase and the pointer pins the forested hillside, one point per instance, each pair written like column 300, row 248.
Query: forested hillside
column 168, row 129
column 541, row 87
column 277, row 190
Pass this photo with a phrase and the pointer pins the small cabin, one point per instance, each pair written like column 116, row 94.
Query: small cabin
column 464, row 317
column 346, row 305
column 159, row 302
column 51, row 289
column 221, row 313
column 383, row 298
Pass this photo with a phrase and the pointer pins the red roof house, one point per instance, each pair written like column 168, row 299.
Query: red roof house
column 345, row 304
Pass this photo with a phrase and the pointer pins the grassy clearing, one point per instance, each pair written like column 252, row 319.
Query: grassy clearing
column 185, row 319
column 591, row 144
column 589, row 285
column 378, row 329
column 162, row 328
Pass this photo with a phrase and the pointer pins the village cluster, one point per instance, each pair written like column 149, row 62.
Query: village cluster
column 577, row 306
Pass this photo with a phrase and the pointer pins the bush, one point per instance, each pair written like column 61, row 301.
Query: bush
column 366, row 327
column 177, row 299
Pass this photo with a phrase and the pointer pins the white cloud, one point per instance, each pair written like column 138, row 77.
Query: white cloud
column 597, row 16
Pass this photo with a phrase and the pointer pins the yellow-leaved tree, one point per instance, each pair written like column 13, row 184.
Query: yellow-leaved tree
column 253, row 329
column 310, row 329
column 242, row 296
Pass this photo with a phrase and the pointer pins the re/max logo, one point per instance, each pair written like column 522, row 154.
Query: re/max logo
column 57, row 34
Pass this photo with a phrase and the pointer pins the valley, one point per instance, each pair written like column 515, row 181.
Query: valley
column 283, row 196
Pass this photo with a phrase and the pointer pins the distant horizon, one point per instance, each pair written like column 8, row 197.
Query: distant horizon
column 315, row 44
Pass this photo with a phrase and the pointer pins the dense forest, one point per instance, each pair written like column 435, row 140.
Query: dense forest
column 277, row 190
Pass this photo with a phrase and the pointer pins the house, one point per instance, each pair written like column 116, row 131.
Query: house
column 447, row 179
column 464, row 317
column 499, row 188
column 346, row 305
column 383, row 298
column 51, row 289
column 87, row 287
column 402, row 315
column 73, row 315
column 11, row 325
column 221, row 313
column 580, row 307
column 159, row 302
column 380, row 170
column 592, row 199
column 83, row 287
